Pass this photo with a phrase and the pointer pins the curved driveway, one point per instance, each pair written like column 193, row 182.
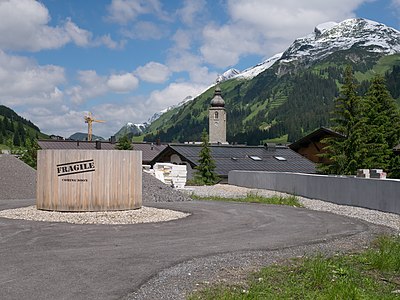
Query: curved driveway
column 40, row 260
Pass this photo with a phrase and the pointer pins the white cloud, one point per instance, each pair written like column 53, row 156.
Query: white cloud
column 145, row 30
column 224, row 45
column 23, row 81
column 182, row 39
column 190, row 10
column 78, row 35
column 91, row 85
column 62, row 123
column 173, row 94
column 107, row 41
column 125, row 11
column 24, row 26
column 153, row 72
column 267, row 27
column 122, row 83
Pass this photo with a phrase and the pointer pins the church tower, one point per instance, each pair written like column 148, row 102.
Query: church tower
column 217, row 119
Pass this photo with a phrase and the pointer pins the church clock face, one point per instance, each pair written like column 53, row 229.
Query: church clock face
column 216, row 123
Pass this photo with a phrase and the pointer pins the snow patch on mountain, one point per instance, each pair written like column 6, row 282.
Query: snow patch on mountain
column 228, row 75
column 321, row 28
column 331, row 37
column 254, row 71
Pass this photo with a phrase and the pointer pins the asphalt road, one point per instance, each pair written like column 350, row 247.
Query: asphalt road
column 40, row 260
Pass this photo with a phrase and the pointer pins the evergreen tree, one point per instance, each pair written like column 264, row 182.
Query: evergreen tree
column 6, row 124
column 124, row 143
column 1, row 138
column 21, row 133
column 382, row 125
column 29, row 156
column 16, row 139
column 346, row 153
column 205, row 173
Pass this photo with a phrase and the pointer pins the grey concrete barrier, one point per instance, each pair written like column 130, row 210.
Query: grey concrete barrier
column 378, row 194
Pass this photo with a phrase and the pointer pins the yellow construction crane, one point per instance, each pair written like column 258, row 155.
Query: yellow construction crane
column 89, row 120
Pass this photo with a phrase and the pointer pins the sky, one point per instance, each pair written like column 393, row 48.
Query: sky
column 124, row 60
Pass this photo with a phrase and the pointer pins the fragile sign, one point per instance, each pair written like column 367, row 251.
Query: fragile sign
column 76, row 167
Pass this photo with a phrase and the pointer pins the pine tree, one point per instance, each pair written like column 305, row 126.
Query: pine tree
column 124, row 143
column 21, row 133
column 382, row 125
column 16, row 139
column 346, row 153
column 205, row 173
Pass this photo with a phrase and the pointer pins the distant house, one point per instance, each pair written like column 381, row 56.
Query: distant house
column 238, row 157
column 149, row 150
column 311, row 146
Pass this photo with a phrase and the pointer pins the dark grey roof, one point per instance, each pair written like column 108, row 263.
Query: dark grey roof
column 235, row 157
column 315, row 136
column 149, row 150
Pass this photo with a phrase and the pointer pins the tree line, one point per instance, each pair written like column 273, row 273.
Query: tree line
column 369, row 125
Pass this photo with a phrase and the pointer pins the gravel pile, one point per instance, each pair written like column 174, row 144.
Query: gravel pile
column 231, row 191
column 153, row 190
column 17, row 179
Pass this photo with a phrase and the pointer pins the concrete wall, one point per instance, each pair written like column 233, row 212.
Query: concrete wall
column 379, row 194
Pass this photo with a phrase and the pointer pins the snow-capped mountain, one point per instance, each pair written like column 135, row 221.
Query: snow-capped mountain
column 228, row 75
column 330, row 37
column 158, row 114
column 131, row 129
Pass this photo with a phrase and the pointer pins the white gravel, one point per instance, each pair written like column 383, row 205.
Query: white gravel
column 142, row 215
column 372, row 216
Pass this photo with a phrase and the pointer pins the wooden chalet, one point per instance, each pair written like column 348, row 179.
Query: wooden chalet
column 311, row 146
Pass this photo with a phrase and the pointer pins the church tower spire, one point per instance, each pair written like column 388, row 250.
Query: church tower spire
column 217, row 118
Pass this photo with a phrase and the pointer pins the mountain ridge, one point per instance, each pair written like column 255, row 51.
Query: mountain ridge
column 318, row 58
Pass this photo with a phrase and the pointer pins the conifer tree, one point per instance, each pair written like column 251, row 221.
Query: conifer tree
column 16, row 139
column 205, row 173
column 382, row 125
column 124, row 143
column 346, row 153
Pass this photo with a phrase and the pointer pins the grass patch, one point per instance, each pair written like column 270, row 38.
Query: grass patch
column 372, row 274
column 254, row 198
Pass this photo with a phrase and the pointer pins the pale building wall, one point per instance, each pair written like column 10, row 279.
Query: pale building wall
column 217, row 125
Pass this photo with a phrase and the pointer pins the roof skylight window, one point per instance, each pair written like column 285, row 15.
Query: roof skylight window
column 253, row 157
column 280, row 158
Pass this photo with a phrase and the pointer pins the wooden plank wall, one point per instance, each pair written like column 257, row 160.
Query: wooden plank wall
column 102, row 180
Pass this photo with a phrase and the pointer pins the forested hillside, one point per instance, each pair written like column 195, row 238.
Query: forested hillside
column 15, row 130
